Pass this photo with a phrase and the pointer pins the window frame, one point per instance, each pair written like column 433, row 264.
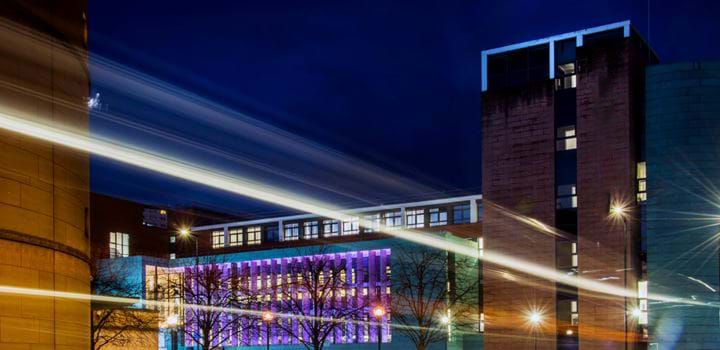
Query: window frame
column 254, row 235
column 218, row 239
column 412, row 216
column 291, row 231
column 119, row 245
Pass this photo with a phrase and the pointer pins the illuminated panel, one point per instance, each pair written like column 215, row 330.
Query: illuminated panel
column 366, row 282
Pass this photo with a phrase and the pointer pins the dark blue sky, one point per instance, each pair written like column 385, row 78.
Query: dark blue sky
column 396, row 84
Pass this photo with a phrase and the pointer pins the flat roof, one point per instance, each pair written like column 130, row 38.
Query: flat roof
column 578, row 35
column 383, row 207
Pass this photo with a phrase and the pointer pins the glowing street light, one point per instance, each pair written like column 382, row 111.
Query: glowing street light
column 171, row 322
column 184, row 232
column 445, row 320
column 620, row 211
column 636, row 312
column 535, row 318
column 268, row 317
column 379, row 312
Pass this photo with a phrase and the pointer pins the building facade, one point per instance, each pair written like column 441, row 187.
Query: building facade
column 683, row 165
column 562, row 131
column 267, row 255
column 44, row 202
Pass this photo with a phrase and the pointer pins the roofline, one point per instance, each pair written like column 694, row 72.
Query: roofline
column 578, row 35
column 447, row 200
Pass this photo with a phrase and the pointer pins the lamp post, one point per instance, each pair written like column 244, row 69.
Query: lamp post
column 171, row 323
column 268, row 317
column 535, row 319
column 187, row 233
column 379, row 312
column 619, row 212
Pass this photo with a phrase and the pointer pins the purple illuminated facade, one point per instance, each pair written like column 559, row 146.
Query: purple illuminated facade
column 364, row 284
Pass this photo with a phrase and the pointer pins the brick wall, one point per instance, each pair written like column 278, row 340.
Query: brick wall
column 607, row 112
column 518, row 174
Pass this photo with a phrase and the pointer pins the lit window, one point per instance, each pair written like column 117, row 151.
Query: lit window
column 641, row 182
column 374, row 223
column 566, row 138
column 566, row 197
column 291, row 232
column 236, row 236
column 461, row 214
column 351, row 227
column 172, row 256
column 173, row 238
column 312, row 229
column 574, row 317
column 331, row 228
column 393, row 220
column 119, row 244
column 415, row 218
column 254, row 235
column 643, row 306
column 218, row 239
column 566, row 77
column 438, row 217
column 574, row 255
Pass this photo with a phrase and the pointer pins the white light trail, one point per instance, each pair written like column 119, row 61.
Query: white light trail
column 189, row 172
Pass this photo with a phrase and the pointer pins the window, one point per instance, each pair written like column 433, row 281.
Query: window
column 565, row 76
column 415, row 218
column 574, row 261
column 374, row 223
column 566, row 138
column 438, row 217
column 173, row 238
column 351, row 227
column 574, row 318
column 566, row 197
column 172, row 256
column 331, row 228
column 236, row 236
column 254, row 235
column 311, row 229
column 155, row 217
column 119, row 245
column 461, row 214
column 643, row 307
column 641, row 182
column 218, row 239
column 393, row 219
column 291, row 232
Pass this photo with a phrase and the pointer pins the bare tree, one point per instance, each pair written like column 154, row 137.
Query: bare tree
column 316, row 294
column 218, row 304
column 118, row 324
column 433, row 290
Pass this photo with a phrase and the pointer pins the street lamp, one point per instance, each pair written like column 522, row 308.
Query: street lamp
column 268, row 317
column 535, row 318
column 379, row 312
column 619, row 212
column 171, row 322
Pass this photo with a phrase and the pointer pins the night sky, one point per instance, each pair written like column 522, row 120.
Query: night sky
column 396, row 84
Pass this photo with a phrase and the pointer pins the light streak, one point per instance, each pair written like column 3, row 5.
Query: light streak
column 245, row 187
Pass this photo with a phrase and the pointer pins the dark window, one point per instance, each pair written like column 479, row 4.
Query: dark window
column 461, row 214
column 518, row 67
column 438, row 216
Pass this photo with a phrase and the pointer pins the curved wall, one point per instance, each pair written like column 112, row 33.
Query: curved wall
column 43, row 187
column 683, row 178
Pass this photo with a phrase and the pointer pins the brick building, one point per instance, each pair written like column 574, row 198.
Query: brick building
column 562, row 131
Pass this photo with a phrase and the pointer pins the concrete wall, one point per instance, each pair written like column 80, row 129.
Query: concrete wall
column 683, row 157
column 44, row 199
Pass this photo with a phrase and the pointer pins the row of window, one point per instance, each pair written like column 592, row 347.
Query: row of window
column 237, row 236
column 313, row 229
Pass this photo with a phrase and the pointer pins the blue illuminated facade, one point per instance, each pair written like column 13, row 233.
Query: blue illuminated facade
column 683, row 204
